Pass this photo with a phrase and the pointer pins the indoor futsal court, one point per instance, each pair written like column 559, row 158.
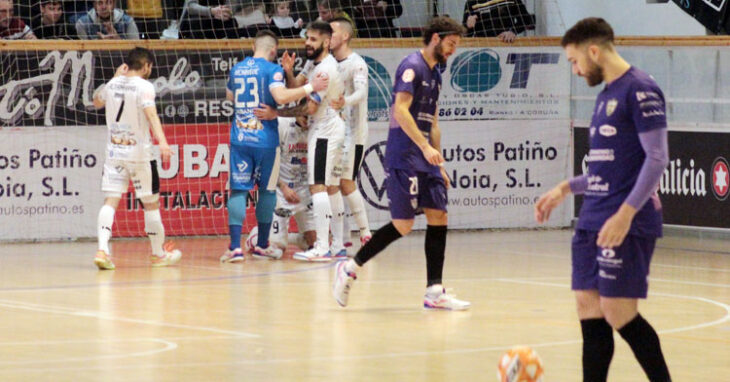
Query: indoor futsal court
column 276, row 320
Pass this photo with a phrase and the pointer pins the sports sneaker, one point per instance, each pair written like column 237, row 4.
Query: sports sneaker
column 270, row 252
column 444, row 301
column 341, row 254
column 343, row 283
column 171, row 256
column 103, row 260
column 232, row 256
column 313, row 255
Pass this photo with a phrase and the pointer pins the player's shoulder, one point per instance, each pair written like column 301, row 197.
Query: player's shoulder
column 143, row 84
column 412, row 60
column 357, row 59
column 641, row 80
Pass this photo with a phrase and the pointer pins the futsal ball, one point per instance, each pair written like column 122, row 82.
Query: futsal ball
column 520, row 364
column 251, row 240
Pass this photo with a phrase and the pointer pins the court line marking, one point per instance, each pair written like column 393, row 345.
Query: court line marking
column 104, row 316
column 725, row 318
column 169, row 346
column 158, row 282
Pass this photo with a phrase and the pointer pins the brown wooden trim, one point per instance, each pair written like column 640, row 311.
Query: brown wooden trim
column 245, row 44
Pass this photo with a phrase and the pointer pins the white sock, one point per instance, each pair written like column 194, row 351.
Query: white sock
column 322, row 215
column 104, row 227
column 346, row 227
column 357, row 207
column 435, row 290
column 351, row 266
column 155, row 231
column 338, row 214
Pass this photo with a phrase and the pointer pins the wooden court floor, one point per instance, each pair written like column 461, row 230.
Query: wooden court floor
column 62, row 320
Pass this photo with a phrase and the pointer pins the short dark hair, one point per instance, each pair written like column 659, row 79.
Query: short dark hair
column 592, row 29
column 138, row 57
column 322, row 27
column 443, row 26
column 330, row 4
column 267, row 33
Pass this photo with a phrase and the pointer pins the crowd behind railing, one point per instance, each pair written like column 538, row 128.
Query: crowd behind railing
column 214, row 19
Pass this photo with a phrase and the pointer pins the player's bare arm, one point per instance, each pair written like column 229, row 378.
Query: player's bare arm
column 436, row 143
column 403, row 116
column 151, row 113
column 294, row 111
column 283, row 95
column 98, row 102
column 290, row 195
column 551, row 200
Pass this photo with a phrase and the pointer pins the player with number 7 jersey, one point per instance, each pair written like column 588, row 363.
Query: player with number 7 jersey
column 256, row 86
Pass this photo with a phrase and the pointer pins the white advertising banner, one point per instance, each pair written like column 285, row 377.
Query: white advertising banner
column 498, row 171
column 483, row 83
column 50, row 183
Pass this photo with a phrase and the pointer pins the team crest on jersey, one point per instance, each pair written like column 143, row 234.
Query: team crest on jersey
column 611, row 107
column 408, row 75
column 242, row 166
column 278, row 76
column 240, row 137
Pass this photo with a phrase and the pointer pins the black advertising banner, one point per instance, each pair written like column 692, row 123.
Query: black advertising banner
column 55, row 88
column 695, row 186
column 710, row 13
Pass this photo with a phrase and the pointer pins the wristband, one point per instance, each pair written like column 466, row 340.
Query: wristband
column 309, row 89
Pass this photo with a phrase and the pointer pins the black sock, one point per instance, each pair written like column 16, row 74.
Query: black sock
column 381, row 239
column 644, row 343
column 597, row 349
column 435, row 248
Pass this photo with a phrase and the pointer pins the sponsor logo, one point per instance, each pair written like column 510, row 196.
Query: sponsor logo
column 653, row 113
column 600, row 107
column 408, row 75
column 380, row 87
column 278, row 76
column 681, row 180
column 611, row 107
column 605, row 275
column 608, row 253
column 607, row 130
column 372, row 180
column 715, row 4
column 242, row 166
column 600, row 155
column 720, row 178
column 483, row 61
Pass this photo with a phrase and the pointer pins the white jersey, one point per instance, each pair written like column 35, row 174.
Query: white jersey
column 326, row 120
column 293, row 160
column 354, row 72
column 129, row 130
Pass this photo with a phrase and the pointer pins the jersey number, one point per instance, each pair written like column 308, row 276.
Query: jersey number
column 121, row 109
column 254, row 91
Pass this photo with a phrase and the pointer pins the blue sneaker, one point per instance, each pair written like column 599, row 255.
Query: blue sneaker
column 341, row 254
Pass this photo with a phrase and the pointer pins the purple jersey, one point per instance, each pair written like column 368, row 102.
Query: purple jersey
column 413, row 76
column 631, row 104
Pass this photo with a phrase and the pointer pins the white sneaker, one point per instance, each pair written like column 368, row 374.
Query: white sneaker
column 313, row 255
column 270, row 252
column 343, row 283
column 232, row 256
column 171, row 256
column 444, row 301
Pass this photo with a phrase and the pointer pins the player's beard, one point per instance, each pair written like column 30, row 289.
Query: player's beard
column 315, row 52
column 594, row 74
column 439, row 54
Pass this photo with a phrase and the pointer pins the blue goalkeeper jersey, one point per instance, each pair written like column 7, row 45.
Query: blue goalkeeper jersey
column 251, row 81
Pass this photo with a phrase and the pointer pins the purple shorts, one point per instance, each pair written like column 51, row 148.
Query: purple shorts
column 411, row 191
column 617, row 272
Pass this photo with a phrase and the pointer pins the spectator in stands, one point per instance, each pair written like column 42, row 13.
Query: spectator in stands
column 151, row 16
column 11, row 27
column 250, row 16
column 504, row 19
column 75, row 9
column 209, row 19
column 51, row 23
column 374, row 18
column 330, row 9
column 281, row 21
column 106, row 22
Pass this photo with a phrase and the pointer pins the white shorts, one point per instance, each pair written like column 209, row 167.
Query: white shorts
column 324, row 156
column 117, row 174
column 303, row 208
column 352, row 160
